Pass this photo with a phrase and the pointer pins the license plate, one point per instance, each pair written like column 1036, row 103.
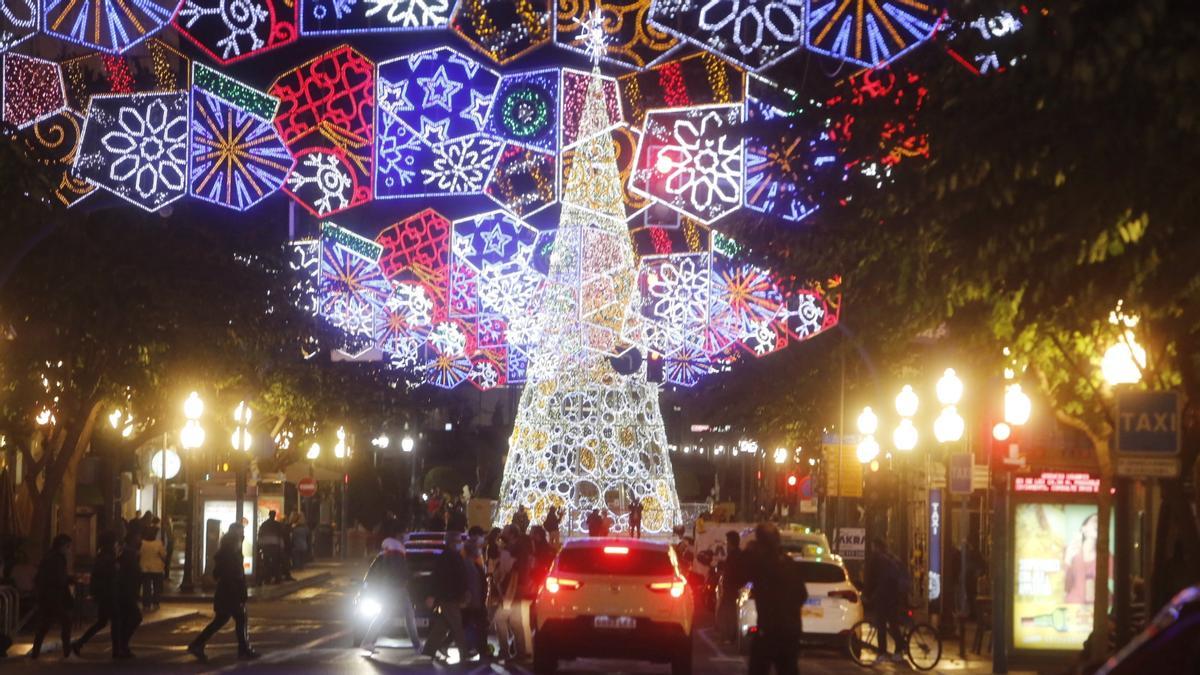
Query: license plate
column 422, row 622
column 615, row 622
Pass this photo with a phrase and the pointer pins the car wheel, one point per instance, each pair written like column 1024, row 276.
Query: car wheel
column 681, row 664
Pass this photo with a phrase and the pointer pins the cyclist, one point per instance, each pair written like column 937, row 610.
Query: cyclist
column 884, row 595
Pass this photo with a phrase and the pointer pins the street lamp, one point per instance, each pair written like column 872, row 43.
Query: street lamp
column 867, row 450
column 868, row 422
column 381, row 441
column 905, row 436
column 1123, row 361
column 314, row 452
column 241, row 441
column 1017, row 406
column 907, row 401
column 781, row 455
column 949, row 388
column 191, row 437
column 406, row 444
column 949, row 426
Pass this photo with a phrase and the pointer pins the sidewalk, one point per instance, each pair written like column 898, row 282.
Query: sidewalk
column 313, row 574
column 53, row 645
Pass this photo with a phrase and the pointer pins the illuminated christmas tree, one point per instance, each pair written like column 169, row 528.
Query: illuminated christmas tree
column 587, row 436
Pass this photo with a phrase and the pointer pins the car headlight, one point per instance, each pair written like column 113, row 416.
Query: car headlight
column 369, row 607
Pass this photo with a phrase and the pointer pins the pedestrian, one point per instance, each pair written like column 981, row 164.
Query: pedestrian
column 732, row 579
column 129, row 586
column 103, row 588
column 53, row 592
column 449, row 592
column 551, row 524
column 457, row 520
column 595, row 524
column 505, row 582
column 270, row 543
column 521, row 618
column 285, row 551
column 779, row 595
column 300, row 535
column 884, row 590
column 387, row 582
column 153, row 562
column 475, row 620
column 635, row 519
column 521, row 519
column 229, row 601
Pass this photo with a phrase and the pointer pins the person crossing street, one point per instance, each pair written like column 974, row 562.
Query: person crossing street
column 229, row 602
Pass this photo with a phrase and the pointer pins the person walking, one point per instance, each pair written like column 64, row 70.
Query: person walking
column 129, row 586
column 449, row 590
column 551, row 524
column 387, row 580
column 229, row 602
column 635, row 519
column 153, row 561
column 103, row 588
column 53, row 592
column 300, row 534
column 883, row 595
column 521, row 519
column 779, row 595
column 475, row 623
column 505, row 582
column 732, row 579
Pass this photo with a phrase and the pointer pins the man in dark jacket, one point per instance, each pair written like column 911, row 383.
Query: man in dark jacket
column 449, row 593
column 779, row 595
column 732, row 580
column 129, row 588
column 882, row 594
column 387, row 583
column 230, row 598
column 104, row 592
column 54, row 599
column 270, row 543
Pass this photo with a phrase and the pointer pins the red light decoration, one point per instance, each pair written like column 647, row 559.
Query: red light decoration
column 336, row 89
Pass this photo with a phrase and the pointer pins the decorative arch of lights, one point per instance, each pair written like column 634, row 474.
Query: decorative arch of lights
column 591, row 263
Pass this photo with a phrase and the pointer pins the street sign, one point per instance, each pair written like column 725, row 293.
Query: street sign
column 843, row 471
column 961, row 473
column 307, row 487
column 1148, row 434
column 851, row 543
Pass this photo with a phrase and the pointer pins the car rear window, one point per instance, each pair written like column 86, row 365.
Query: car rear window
column 822, row 573
column 421, row 561
column 635, row 562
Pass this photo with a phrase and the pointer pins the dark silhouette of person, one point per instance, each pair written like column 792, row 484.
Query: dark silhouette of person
column 53, row 590
column 521, row 519
column 129, row 589
column 779, row 595
column 103, row 588
column 449, row 590
column 732, row 579
column 635, row 518
column 229, row 602
column 882, row 593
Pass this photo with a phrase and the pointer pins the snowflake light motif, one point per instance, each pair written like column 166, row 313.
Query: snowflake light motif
column 351, row 285
column 626, row 39
column 783, row 161
column 238, row 158
column 136, row 147
column 18, row 22
column 349, row 17
column 753, row 34
column 873, row 34
column 692, row 160
column 323, row 179
column 109, row 27
column 231, row 30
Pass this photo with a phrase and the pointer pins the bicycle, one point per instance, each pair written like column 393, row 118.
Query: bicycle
column 919, row 642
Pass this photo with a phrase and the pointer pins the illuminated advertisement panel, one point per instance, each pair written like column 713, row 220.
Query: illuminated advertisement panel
column 1055, row 568
column 225, row 512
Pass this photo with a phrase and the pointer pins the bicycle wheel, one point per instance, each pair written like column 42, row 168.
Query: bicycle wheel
column 924, row 646
column 863, row 644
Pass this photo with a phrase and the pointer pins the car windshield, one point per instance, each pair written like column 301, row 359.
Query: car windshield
column 822, row 573
column 618, row 560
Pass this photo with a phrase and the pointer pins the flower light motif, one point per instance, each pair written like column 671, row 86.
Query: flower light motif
column 593, row 37
column 754, row 34
column 463, row 166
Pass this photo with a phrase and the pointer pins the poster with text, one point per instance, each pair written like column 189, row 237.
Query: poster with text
column 1055, row 583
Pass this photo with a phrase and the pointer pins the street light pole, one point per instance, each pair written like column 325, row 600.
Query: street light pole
column 191, row 438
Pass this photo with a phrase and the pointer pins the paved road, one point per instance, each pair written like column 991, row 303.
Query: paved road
column 307, row 632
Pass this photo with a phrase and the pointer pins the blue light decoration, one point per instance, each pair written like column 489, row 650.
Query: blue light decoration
column 349, row 17
column 525, row 109
column 983, row 44
column 752, row 34
column 238, row 158
column 136, row 147
column 873, row 34
column 18, row 22
column 232, row 30
column 433, row 110
column 106, row 26
column 351, row 285
column 783, row 158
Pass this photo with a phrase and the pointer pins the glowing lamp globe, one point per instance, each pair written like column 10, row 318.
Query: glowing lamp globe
column 949, row 426
column 1124, row 361
column 241, row 414
column 314, row 451
column 907, row 402
column 172, row 464
column 192, row 435
column 1001, row 431
column 949, row 388
column 406, row 444
column 781, row 455
column 905, row 436
column 193, row 407
column 241, row 440
column 867, row 450
column 868, row 422
column 1017, row 406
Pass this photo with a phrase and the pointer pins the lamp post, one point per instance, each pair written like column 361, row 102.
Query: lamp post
column 241, row 441
column 191, row 438
column 341, row 452
column 949, row 428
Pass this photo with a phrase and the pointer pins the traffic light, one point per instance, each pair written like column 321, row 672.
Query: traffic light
column 791, row 480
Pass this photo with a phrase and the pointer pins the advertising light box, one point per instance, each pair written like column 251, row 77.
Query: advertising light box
column 1055, row 575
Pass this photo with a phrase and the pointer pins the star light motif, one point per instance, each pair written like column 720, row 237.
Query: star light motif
column 439, row 89
column 494, row 241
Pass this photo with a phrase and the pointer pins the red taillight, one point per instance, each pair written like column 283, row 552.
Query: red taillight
column 616, row 550
column 555, row 584
column 675, row 587
column 848, row 596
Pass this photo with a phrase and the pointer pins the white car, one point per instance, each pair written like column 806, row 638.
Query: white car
column 614, row 598
column 834, row 605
